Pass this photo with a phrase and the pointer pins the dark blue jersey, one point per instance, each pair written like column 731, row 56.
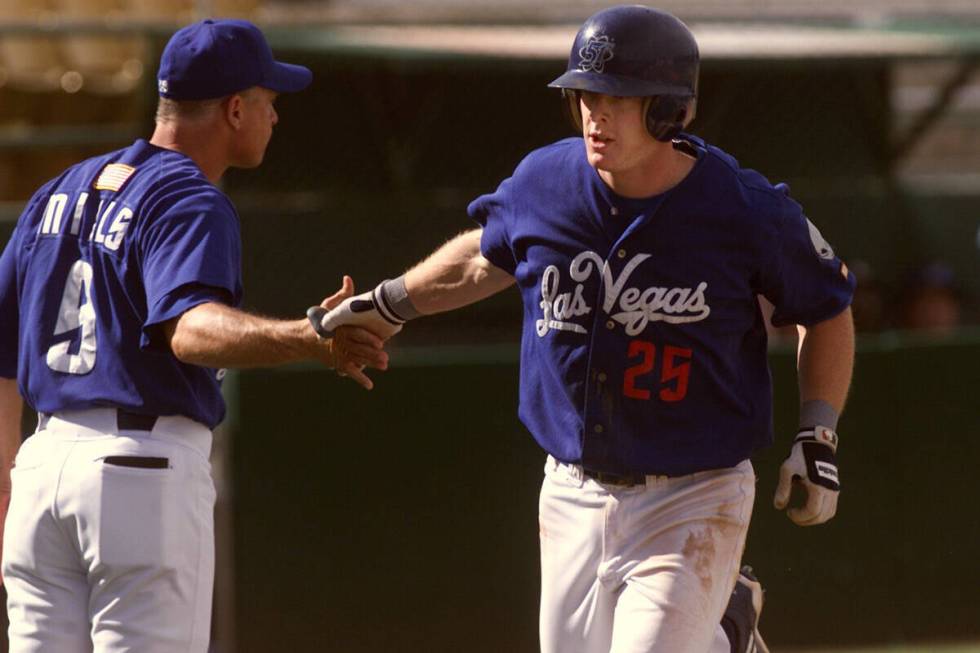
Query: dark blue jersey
column 644, row 348
column 100, row 258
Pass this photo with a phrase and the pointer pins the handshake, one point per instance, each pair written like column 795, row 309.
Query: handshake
column 358, row 326
column 370, row 310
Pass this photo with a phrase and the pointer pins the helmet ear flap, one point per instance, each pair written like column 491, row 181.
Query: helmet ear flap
column 667, row 115
column 571, row 107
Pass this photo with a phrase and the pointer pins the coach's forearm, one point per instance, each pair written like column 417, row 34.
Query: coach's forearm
column 216, row 335
column 454, row 276
column 11, row 410
column 826, row 361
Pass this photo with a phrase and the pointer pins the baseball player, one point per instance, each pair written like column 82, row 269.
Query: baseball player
column 639, row 252
column 118, row 296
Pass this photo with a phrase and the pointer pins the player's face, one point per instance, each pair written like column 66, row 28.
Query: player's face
column 258, row 118
column 614, row 128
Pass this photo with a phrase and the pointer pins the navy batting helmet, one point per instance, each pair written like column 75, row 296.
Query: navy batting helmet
column 636, row 51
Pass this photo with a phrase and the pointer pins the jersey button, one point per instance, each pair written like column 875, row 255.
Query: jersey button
column 621, row 253
column 610, row 325
column 613, row 211
column 598, row 428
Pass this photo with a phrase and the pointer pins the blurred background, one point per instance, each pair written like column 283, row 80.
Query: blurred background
column 405, row 519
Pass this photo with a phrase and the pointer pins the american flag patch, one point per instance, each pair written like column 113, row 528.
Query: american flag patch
column 113, row 176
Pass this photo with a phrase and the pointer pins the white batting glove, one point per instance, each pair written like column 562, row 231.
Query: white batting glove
column 368, row 310
column 812, row 463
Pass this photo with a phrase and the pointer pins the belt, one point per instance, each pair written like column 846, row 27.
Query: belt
column 609, row 478
column 125, row 421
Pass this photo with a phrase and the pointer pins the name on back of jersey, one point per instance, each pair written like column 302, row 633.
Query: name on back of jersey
column 64, row 214
column 636, row 307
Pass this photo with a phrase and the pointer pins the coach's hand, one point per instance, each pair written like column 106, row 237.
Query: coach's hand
column 367, row 310
column 351, row 348
column 812, row 463
column 4, row 506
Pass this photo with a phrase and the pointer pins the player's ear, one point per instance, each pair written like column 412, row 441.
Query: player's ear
column 692, row 109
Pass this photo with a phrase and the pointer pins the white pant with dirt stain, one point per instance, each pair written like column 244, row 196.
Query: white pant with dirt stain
column 103, row 554
column 644, row 569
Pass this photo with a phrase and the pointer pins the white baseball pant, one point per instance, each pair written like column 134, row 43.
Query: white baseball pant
column 101, row 555
column 643, row 569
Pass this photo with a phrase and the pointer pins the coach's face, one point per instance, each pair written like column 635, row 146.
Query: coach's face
column 616, row 137
column 255, row 119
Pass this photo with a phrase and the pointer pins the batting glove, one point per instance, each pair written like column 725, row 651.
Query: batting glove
column 812, row 463
column 369, row 310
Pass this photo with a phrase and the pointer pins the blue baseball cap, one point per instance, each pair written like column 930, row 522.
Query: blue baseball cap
column 215, row 58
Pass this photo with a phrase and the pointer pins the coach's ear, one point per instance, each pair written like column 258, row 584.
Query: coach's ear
column 234, row 107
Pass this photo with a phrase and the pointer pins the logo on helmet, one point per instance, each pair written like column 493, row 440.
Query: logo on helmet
column 595, row 53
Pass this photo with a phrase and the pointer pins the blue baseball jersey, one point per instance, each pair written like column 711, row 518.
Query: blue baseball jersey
column 643, row 345
column 100, row 258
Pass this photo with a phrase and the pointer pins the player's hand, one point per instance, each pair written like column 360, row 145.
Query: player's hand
column 352, row 348
column 812, row 464
column 366, row 310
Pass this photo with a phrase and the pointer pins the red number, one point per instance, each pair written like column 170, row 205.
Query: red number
column 673, row 371
column 629, row 380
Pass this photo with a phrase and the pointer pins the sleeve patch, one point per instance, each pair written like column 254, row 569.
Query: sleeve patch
column 113, row 176
column 821, row 246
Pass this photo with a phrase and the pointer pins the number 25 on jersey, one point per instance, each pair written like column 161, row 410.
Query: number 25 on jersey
column 675, row 371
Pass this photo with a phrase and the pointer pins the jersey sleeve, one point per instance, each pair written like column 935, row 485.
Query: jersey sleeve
column 9, row 288
column 493, row 213
column 9, row 312
column 191, row 255
column 802, row 277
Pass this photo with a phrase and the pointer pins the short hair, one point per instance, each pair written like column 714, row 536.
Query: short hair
column 170, row 110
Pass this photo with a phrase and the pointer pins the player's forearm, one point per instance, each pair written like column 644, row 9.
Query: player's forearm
column 454, row 276
column 216, row 335
column 11, row 409
column 826, row 361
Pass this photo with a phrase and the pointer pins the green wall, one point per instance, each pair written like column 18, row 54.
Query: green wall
column 404, row 519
